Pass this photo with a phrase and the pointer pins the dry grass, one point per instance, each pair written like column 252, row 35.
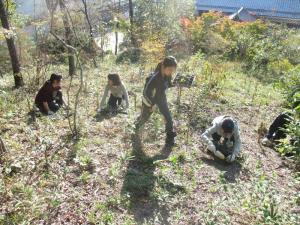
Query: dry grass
column 99, row 179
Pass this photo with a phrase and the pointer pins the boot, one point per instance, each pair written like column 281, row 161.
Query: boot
column 170, row 139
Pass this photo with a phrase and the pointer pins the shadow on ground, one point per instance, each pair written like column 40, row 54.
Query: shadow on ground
column 100, row 117
column 139, row 184
column 232, row 170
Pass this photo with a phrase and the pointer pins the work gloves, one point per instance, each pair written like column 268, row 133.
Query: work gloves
column 217, row 153
column 153, row 108
column 220, row 155
column 212, row 148
column 267, row 142
column 124, row 105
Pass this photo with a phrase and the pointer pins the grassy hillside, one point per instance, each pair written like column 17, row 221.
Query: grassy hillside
column 47, row 177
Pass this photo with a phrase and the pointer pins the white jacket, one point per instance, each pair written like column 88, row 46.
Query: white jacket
column 217, row 128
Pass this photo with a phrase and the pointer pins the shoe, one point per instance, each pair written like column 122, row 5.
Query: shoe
column 267, row 142
column 219, row 154
column 170, row 140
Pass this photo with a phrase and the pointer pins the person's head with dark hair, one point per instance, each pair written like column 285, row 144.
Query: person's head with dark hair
column 114, row 80
column 228, row 126
column 168, row 66
column 55, row 81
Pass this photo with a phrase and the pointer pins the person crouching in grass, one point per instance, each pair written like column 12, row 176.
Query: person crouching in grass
column 223, row 138
column 49, row 99
column 118, row 95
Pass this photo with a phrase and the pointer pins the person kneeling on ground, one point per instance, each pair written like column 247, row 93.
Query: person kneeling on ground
column 118, row 95
column 49, row 99
column 155, row 95
column 277, row 130
column 223, row 138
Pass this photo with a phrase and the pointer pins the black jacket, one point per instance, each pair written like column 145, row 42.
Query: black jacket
column 155, row 89
column 45, row 94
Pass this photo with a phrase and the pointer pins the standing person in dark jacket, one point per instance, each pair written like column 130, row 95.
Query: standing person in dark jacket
column 155, row 95
column 49, row 98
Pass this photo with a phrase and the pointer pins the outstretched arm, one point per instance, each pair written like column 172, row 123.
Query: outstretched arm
column 125, row 94
column 237, row 142
column 236, row 146
column 164, row 110
column 105, row 94
column 207, row 135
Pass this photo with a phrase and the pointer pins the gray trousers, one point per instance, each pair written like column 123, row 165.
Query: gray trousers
column 147, row 112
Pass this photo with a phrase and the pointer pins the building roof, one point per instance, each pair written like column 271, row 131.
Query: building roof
column 289, row 9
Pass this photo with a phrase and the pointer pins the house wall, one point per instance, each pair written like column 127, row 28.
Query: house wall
column 283, row 9
column 290, row 22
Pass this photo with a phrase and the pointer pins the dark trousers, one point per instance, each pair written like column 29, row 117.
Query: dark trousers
column 221, row 145
column 147, row 112
column 114, row 102
column 276, row 130
column 54, row 105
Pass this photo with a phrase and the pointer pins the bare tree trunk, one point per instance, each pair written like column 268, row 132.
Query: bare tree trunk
column 2, row 147
column 117, row 39
column 11, row 48
column 117, row 42
column 68, row 34
column 117, row 30
column 91, row 31
column 73, row 127
column 131, row 16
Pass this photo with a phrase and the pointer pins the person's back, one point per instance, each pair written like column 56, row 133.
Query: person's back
column 49, row 97
column 45, row 94
column 218, row 122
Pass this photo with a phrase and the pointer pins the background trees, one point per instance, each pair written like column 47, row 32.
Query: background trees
column 11, row 45
column 261, row 46
column 68, row 36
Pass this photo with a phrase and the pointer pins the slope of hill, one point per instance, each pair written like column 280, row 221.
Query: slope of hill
column 49, row 178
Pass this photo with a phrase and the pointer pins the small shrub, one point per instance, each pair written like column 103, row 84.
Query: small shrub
column 279, row 67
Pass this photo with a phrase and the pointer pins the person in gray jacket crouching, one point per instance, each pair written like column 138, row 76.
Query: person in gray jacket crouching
column 223, row 138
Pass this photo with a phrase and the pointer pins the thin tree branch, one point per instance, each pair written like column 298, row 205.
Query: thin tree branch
column 63, row 42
